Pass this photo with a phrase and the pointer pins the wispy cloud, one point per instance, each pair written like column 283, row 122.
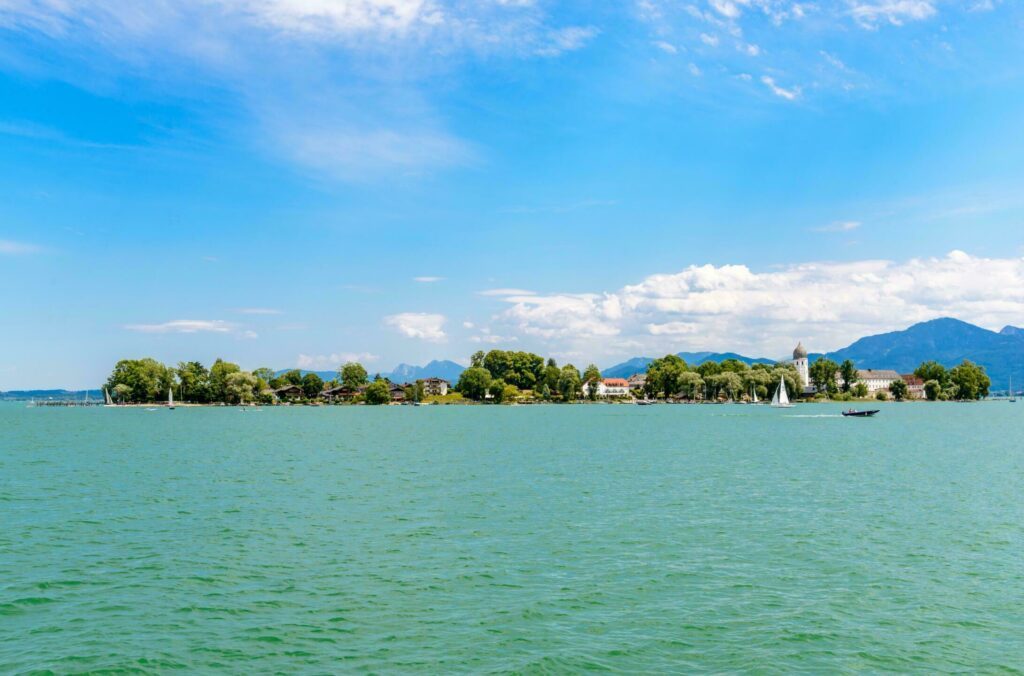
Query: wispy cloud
column 505, row 292
column 421, row 325
column 258, row 311
column 427, row 279
column 185, row 326
column 12, row 248
column 334, row 360
column 790, row 94
column 838, row 226
column 896, row 12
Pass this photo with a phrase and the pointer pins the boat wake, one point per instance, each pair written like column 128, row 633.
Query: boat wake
column 817, row 415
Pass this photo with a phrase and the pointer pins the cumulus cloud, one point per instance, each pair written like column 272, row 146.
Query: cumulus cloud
column 320, row 362
column 185, row 326
column 421, row 325
column 826, row 305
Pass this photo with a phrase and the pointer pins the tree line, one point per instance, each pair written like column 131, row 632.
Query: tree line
column 506, row 376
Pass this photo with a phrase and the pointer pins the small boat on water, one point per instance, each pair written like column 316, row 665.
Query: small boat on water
column 644, row 402
column 170, row 399
column 860, row 414
column 781, row 397
column 1013, row 395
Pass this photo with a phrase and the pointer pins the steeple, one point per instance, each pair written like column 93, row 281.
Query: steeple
column 800, row 352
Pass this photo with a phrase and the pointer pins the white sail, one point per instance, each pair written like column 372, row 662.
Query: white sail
column 106, row 398
column 781, row 397
column 170, row 398
column 754, row 390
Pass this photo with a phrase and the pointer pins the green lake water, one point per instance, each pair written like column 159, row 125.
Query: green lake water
column 529, row 539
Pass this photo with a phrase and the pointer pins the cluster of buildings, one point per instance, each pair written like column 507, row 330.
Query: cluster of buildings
column 431, row 387
column 876, row 380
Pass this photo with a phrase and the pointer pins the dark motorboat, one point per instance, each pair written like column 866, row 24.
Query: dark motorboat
column 859, row 414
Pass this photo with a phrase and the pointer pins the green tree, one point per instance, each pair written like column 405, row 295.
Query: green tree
column 477, row 360
column 473, row 382
column 353, row 375
column 497, row 390
column 592, row 377
column 193, row 381
column 240, row 387
column 849, row 373
column 882, row 395
column 931, row 370
column 932, row 390
column 312, row 385
column 414, row 392
column 898, row 389
column 971, row 381
column 219, row 373
column 664, row 375
column 823, row 375
column 122, row 392
column 569, row 383
column 144, row 379
column 378, row 392
column 860, row 389
column 293, row 377
column 691, row 384
column 728, row 383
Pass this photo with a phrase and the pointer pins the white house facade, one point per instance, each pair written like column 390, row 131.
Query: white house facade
column 609, row 387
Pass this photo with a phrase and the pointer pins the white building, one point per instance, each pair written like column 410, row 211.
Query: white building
column 609, row 387
column 879, row 379
column 802, row 365
column 437, row 387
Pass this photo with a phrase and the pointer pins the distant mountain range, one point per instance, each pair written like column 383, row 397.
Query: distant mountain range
column 639, row 364
column 59, row 395
column 947, row 341
column 405, row 373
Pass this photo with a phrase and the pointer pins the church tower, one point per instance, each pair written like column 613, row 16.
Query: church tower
column 801, row 364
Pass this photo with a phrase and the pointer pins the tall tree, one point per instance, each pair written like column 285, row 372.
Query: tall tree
column 219, row 373
column 849, row 373
column 240, row 387
column 569, row 383
column 823, row 375
column 473, row 382
column 353, row 375
column 312, row 385
column 378, row 392
column 898, row 389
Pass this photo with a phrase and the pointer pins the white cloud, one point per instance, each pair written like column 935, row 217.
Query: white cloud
column 869, row 14
column 839, row 226
column 790, row 94
column 422, row 325
column 356, row 154
column 258, row 311
column 695, row 70
column 709, row 40
column 321, row 362
column 752, row 49
column 505, row 292
column 185, row 326
column 486, row 337
column 666, row 47
column 827, row 305
column 567, row 39
column 427, row 280
column 12, row 248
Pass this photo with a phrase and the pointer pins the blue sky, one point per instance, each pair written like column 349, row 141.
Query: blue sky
column 300, row 182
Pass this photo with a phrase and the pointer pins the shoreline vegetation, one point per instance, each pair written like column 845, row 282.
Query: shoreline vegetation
column 515, row 378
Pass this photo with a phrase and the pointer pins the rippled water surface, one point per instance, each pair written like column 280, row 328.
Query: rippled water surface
column 438, row 539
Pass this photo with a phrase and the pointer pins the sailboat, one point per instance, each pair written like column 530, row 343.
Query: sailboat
column 107, row 401
column 170, row 399
column 1013, row 397
column 781, row 398
column 754, row 399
